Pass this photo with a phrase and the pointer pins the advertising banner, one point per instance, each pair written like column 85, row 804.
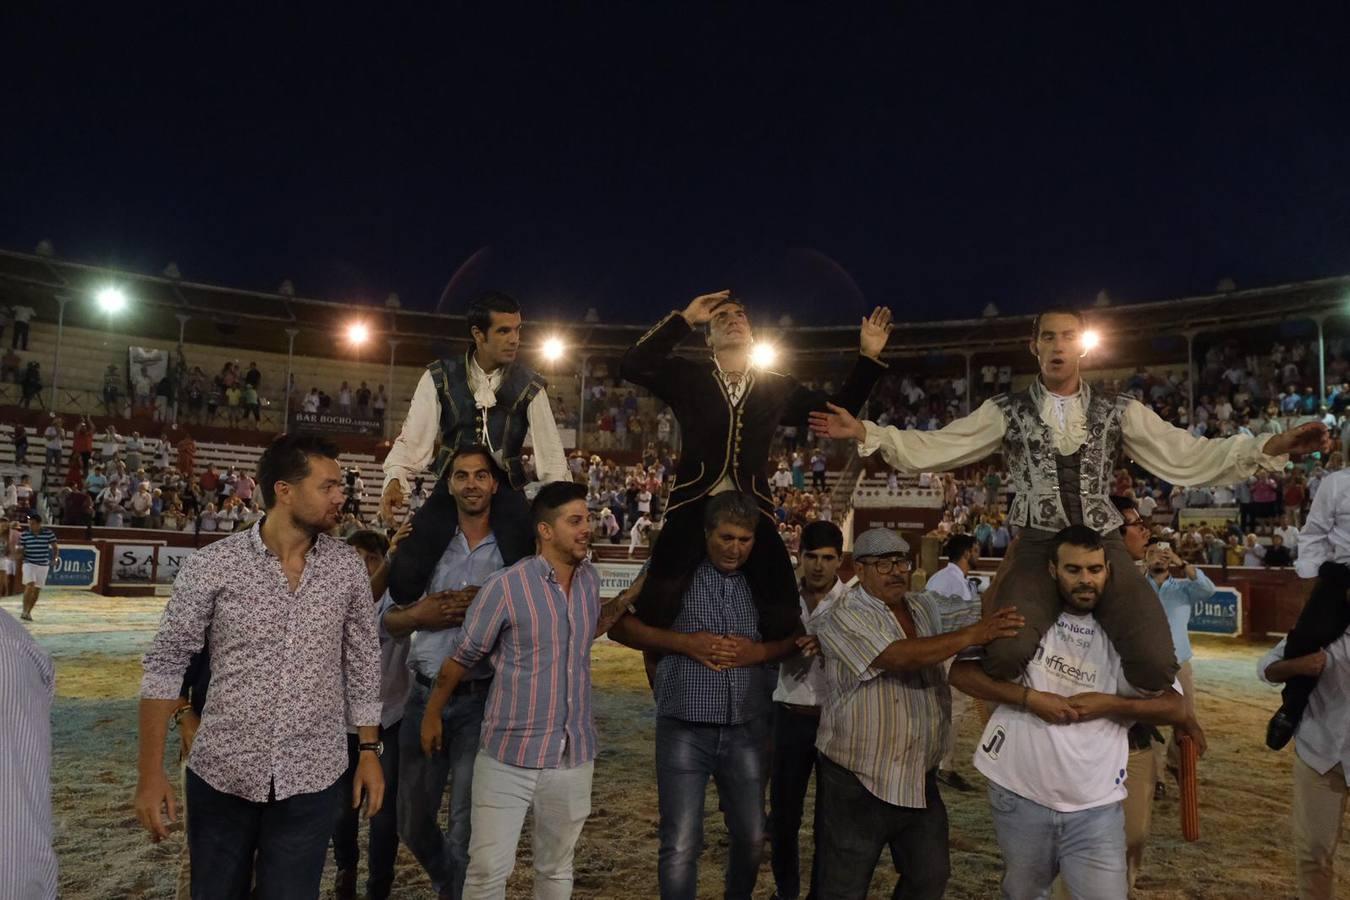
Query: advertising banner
column 615, row 577
column 171, row 559
column 1218, row 614
column 133, row 564
column 77, row 568
column 333, row 422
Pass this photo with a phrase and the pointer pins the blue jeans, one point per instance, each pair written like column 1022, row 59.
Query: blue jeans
column 278, row 846
column 422, row 781
column 383, row 826
column 1086, row 847
column 856, row 825
column 687, row 755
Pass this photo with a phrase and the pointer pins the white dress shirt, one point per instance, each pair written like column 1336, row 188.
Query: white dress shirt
column 801, row 679
column 1326, row 534
column 951, row 581
column 1323, row 736
column 1169, row 452
column 416, row 443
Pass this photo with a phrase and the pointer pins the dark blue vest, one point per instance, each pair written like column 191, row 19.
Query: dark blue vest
column 503, row 427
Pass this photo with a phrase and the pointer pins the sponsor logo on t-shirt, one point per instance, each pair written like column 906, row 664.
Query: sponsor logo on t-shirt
column 1063, row 669
column 994, row 745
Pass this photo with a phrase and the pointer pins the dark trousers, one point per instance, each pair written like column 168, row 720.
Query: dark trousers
column 383, row 825
column 1324, row 618
column 1247, row 517
column 20, row 336
column 794, row 758
column 278, row 845
column 1128, row 611
column 818, row 480
column 681, row 546
column 435, row 524
column 856, row 825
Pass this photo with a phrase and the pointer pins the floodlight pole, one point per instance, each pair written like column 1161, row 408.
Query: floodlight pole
column 581, row 406
column 1190, row 377
column 286, row 389
column 56, row 359
column 1321, row 365
column 968, row 354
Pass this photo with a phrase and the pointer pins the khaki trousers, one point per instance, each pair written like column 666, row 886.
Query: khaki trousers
column 1173, row 755
column 1319, row 808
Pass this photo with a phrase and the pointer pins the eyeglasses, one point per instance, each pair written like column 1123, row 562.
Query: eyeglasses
column 886, row 566
column 1136, row 523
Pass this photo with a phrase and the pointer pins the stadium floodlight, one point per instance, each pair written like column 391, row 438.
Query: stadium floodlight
column 763, row 355
column 111, row 299
column 553, row 349
column 358, row 333
column 1091, row 341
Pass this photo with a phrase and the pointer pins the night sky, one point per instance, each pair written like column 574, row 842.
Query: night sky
column 934, row 157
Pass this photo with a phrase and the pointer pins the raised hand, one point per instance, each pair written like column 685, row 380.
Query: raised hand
column 391, row 501
column 837, row 423
column 403, row 531
column 700, row 309
column 876, row 329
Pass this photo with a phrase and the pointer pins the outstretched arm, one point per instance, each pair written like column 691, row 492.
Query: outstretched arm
column 966, row 440
column 649, row 362
column 867, row 368
column 1177, row 456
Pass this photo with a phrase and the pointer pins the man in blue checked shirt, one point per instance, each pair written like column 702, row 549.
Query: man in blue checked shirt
column 712, row 705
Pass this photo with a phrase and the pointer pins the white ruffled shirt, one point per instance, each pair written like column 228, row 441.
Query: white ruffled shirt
column 1171, row 453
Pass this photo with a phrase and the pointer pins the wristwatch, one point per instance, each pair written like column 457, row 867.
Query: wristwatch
column 376, row 747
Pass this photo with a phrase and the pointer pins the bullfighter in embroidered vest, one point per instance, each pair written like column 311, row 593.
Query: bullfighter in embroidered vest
column 727, row 415
column 1060, row 442
column 484, row 397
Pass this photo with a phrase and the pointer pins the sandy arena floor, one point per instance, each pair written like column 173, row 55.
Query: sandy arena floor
column 97, row 642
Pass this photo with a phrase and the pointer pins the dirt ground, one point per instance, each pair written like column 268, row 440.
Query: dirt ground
column 1244, row 851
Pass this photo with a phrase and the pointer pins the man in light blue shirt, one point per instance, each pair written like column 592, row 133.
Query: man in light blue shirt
column 435, row 622
column 1180, row 586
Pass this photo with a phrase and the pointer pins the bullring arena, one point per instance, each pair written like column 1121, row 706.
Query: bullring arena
column 101, row 617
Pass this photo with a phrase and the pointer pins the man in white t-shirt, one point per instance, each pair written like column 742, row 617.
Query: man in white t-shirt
column 1055, row 749
column 1288, row 533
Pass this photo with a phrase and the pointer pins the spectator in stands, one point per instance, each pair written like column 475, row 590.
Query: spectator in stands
column 344, row 399
column 22, row 316
column 139, row 505
column 164, row 396
column 55, row 440
column 234, row 401
column 210, row 482
column 25, row 498
column 20, row 438
column 380, row 402
column 999, row 540
column 253, row 377
column 206, row 521
column 1254, row 552
column 1277, row 554
column 8, row 498
column 132, row 451
column 1265, row 496
column 244, row 486
column 163, row 453
column 109, row 445
column 311, row 404
column 78, row 508
column 363, row 399
column 82, row 445
column 639, row 532
column 187, row 454
column 1295, row 492
column 111, row 391
column 32, row 386
column 9, row 366
column 110, row 502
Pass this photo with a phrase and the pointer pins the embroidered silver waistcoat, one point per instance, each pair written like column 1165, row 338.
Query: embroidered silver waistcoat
column 1040, row 476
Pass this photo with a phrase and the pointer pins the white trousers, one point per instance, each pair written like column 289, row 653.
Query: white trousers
column 561, row 801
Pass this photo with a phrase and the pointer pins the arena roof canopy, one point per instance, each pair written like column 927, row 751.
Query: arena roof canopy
column 166, row 308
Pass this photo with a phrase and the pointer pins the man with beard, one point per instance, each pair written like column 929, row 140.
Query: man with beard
column 483, row 398
column 727, row 416
column 535, row 621
column 472, row 556
column 1060, row 441
column 293, row 643
column 1055, row 749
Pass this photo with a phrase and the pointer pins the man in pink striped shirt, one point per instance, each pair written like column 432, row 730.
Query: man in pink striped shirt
column 535, row 622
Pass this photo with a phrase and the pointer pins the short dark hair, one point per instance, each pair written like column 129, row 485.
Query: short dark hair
column 1056, row 311
column 822, row 534
column 1079, row 536
column 1123, row 504
column 731, row 506
column 287, row 459
column 957, row 545
column 553, row 497
column 483, row 306
column 471, row 450
column 369, row 540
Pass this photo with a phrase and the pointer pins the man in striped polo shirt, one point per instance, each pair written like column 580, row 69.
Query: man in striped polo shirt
column 886, row 721
column 535, row 622
column 39, row 552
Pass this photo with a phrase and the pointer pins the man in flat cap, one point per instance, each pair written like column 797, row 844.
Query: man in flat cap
column 886, row 720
